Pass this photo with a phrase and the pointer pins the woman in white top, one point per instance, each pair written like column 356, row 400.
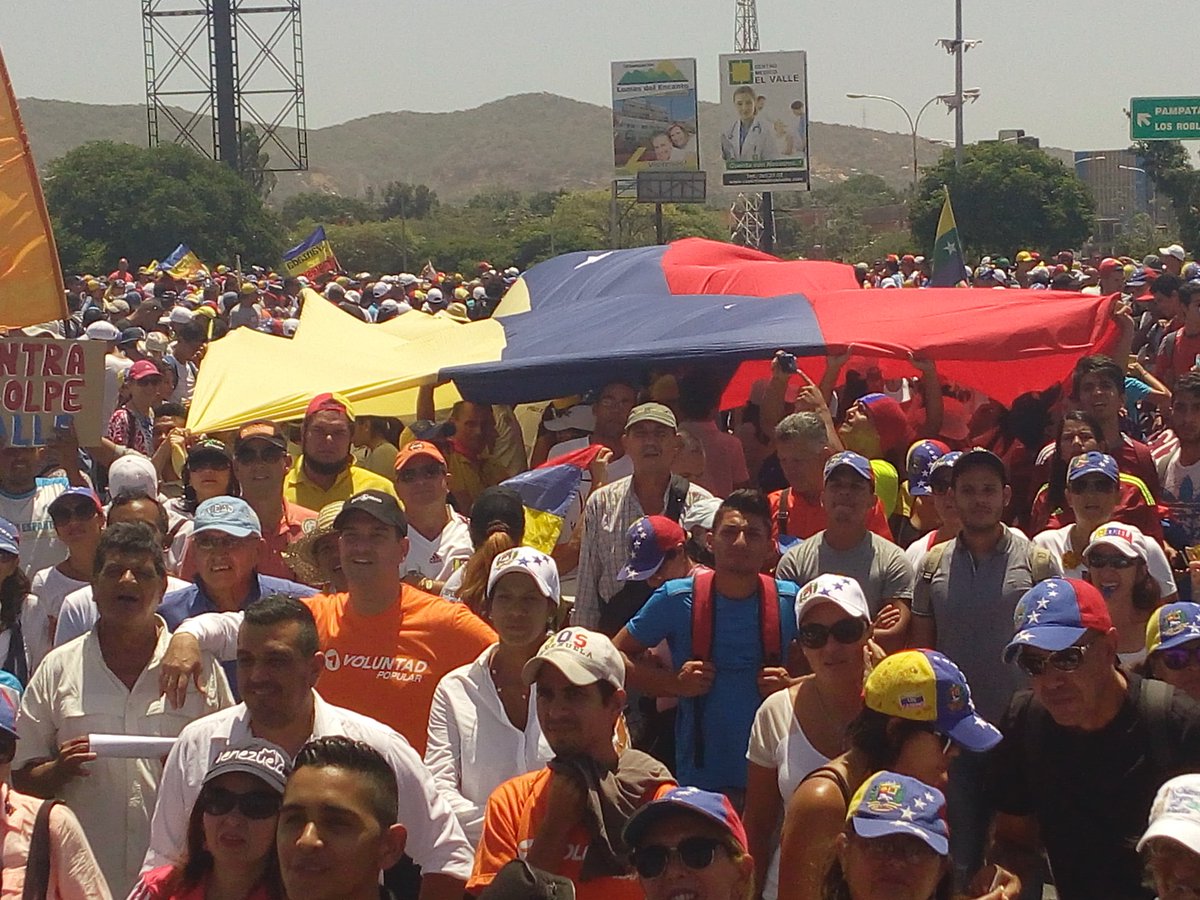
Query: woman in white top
column 1116, row 565
column 483, row 727
column 803, row 728
column 15, row 603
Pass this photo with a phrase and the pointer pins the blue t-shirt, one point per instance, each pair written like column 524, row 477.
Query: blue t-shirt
column 737, row 654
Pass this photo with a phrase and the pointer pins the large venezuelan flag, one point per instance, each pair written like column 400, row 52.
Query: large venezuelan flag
column 31, row 284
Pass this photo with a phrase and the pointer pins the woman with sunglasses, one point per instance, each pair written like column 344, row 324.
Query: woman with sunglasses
column 917, row 715
column 690, row 844
column 483, row 726
column 803, row 727
column 230, row 833
column 1173, row 647
column 1116, row 560
column 207, row 473
column 895, row 844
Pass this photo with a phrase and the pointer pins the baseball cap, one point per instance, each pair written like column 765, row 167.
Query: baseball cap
column 232, row 515
column 709, row 805
column 1126, row 539
column 72, row 492
column 980, row 456
column 649, row 540
column 925, row 686
column 700, row 514
column 1024, row 256
column 1109, row 264
column 330, row 402
column 132, row 473
column 582, row 656
column 210, row 449
column 1093, row 462
column 888, row 803
column 1172, row 625
column 379, row 505
column 651, row 412
column 132, row 336
column 180, row 315
column 888, row 418
column 156, row 342
column 921, row 457
column 1055, row 613
column 944, row 462
column 10, row 538
column 260, row 430
column 1175, row 813
column 837, row 589
column 579, row 417
column 262, row 759
column 534, row 563
column 415, row 449
column 856, row 461
column 10, row 702
column 1174, row 250
column 143, row 368
column 518, row 880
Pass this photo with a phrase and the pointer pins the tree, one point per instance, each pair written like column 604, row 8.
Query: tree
column 1170, row 168
column 254, row 162
column 1005, row 197
column 108, row 200
column 320, row 208
column 402, row 200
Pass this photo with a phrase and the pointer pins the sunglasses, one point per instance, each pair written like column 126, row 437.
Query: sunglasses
column 82, row 512
column 695, row 853
column 247, row 457
column 1088, row 486
column 1179, row 658
column 1067, row 660
column 207, row 463
column 217, row 801
column 845, row 631
column 410, row 474
column 1103, row 561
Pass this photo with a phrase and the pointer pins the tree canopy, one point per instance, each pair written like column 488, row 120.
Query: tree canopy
column 1170, row 168
column 1005, row 197
column 108, row 200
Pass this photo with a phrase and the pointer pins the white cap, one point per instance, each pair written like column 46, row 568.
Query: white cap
column 379, row 289
column 837, row 589
column 103, row 331
column 534, row 563
column 579, row 417
column 1127, row 539
column 583, row 657
column 180, row 315
column 1176, row 813
column 1174, row 250
column 478, row 292
column 132, row 473
column 700, row 514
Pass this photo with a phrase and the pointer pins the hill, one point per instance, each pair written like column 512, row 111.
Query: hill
column 526, row 142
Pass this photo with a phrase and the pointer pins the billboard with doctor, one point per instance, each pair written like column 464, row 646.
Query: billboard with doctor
column 654, row 116
column 764, row 118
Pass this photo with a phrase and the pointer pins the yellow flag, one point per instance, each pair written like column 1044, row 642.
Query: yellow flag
column 31, row 284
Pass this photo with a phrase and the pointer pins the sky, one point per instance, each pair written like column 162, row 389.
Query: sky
column 1043, row 65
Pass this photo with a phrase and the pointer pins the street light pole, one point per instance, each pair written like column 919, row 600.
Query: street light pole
column 958, row 85
column 913, row 123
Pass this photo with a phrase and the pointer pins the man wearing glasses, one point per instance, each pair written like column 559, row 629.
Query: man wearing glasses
column 1086, row 748
column 439, row 538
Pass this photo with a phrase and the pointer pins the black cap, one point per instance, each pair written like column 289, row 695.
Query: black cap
column 975, row 457
column 379, row 505
column 260, row 430
column 497, row 509
column 132, row 336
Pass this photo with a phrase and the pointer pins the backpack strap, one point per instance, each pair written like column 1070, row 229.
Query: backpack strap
column 37, row 866
column 768, row 621
column 677, row 493
column 925, row 574
column 1154, row 700
column 704, row 613
column 781, row 514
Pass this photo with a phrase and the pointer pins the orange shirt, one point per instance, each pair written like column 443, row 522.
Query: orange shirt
column 515, row 812
column 387, row 666
column 806, row 519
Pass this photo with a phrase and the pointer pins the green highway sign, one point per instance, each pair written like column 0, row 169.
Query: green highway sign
column 1164, row 119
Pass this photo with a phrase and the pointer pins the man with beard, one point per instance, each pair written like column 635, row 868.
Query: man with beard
column 325, row 471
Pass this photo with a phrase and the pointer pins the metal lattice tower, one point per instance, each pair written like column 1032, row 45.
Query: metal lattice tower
column 746, row 211
column 215, row 66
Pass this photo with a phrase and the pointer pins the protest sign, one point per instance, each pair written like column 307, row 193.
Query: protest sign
column 48, row 384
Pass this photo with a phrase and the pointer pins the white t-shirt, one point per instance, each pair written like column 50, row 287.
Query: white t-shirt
column 1058, row 542
column 1181, row 494
column 49, row 588
column 778, row 742
column 40, row 546
column 440, row 557
column 115, row 368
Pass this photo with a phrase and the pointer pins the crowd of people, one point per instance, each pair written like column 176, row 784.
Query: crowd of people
column 858, row 638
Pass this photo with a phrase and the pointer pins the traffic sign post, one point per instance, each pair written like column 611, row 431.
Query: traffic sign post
column 1164, row 119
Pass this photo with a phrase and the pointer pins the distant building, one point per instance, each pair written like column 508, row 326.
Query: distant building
column 1121, row 188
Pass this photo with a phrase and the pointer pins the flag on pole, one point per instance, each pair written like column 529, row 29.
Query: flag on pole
column 547, row 493
column 313, row 256
column 948, row 261
column 31, row 284
column 182, row 263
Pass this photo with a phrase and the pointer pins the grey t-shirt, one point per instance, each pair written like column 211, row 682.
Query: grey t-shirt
column 972, row 601
column 878, row 565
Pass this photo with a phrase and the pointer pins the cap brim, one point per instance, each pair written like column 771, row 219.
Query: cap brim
column 237, row 531
column 1185, row 831
column 975, row 733
column 628, row 573
column 877, row 828
column 247, row 768
column 1107, row 543
column 1051, row 638
column 641, row 821
column 571, row 669
column 919, row 489
column 10, row 547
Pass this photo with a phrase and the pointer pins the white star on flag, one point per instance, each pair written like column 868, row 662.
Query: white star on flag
column 593, row 258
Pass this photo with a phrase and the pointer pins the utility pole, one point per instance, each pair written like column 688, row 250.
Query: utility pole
column 956, row 46
column 752, row 214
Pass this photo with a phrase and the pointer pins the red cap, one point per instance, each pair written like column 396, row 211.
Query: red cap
column 330, row 402
column 889, row 420
column 1108, row 264
column 143, row 368
column 413, row 449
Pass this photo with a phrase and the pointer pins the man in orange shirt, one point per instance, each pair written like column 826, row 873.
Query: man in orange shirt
column 563, row 818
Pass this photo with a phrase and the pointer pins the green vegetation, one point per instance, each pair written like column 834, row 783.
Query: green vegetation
column 1170, row 167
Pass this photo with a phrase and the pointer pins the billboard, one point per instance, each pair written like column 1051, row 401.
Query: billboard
column 654, row 116
column 764, row 118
